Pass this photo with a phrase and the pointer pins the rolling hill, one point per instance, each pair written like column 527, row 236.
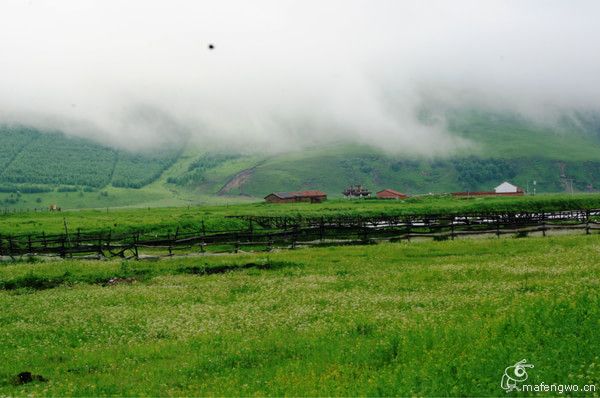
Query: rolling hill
column 39, row 168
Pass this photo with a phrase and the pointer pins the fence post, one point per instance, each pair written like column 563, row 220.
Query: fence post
column 135, row 247
column 66, row 237
column 202, row 236
column 322, row 229
column 587, row 222
column 108, row 240
column 170, row 241
column 498, row 227
column 452, row 230
column 10, row 246
column 100, row 252
column 294, row 236
column 63, row 250
column 544, row 224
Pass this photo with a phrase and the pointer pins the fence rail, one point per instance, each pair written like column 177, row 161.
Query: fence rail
column 268, row 232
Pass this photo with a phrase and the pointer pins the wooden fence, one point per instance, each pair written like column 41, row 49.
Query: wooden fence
column 265, row 233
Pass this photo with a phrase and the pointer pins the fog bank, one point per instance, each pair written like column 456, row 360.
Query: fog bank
column 284, row 74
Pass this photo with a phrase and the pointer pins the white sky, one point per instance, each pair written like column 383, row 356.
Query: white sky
column 138, row 72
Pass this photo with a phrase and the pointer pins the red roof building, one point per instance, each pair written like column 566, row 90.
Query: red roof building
column 390, row 194
column 292, row 197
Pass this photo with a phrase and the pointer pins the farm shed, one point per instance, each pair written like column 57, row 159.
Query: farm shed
column 507, row 187
column 291, row 197
column 390, row 194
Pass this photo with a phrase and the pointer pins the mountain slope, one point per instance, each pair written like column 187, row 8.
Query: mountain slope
column 51, row 158
column 504, row 147
column 510, row 136
column 39, row 168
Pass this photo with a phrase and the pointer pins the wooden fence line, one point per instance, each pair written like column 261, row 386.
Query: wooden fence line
column 304, row 231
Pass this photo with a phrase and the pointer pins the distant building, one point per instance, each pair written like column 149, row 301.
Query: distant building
column 390, row 194
column 507, row 187
column 504, row 189
column 356, row 191
column 292, row 197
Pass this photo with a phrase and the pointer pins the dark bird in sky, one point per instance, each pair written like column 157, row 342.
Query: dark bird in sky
column 211, row 46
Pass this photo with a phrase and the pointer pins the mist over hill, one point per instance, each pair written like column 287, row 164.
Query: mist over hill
column 137, row 102
column 283, row 75
column 40, row 167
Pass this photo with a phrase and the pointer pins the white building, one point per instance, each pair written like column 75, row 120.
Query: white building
column 507, row 187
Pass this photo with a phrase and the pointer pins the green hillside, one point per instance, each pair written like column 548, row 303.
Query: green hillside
column 54, row 159
column 133, row 170
column 39, row 168
column 504, row 147
column 51, row 158
column 331, row 171
column 512, row 137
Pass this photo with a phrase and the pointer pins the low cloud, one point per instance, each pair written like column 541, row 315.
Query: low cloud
column 285, row 74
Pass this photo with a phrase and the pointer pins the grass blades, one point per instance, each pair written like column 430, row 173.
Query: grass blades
column 430, row 318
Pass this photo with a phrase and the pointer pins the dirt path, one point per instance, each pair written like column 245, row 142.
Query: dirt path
column 237, row 180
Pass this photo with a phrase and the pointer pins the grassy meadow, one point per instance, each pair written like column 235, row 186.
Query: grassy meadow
column 218, row 217
column 430, row 318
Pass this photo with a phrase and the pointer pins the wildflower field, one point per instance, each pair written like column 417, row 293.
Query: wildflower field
column 421, row 318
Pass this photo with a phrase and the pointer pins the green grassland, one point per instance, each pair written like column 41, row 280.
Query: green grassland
column 409, row 319
column 217, row 217
column 107, row 197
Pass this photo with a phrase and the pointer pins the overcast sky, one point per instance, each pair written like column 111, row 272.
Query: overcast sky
column 283, row 73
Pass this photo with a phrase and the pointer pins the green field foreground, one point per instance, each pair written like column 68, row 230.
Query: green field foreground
column 430, row 318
